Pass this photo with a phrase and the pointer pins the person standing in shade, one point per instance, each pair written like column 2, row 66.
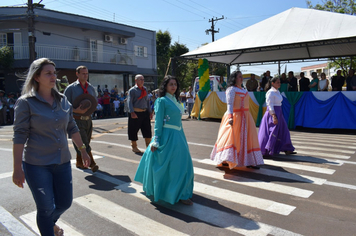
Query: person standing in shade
column 166, row 168
column 351, row 81
column 43, row 119
column 337, row 81
column 222, row 84
column 237, row 143
column 84, row 121
column 313, row 86
column 140, row 113
column 190, row 101
column 264, row 80
column 273, row 135
column 3, row 108
column 303, row 83
column 293, row 82
column 252, row 84
column 323, row 84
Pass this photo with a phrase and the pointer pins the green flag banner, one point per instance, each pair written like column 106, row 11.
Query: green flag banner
column 204, row 81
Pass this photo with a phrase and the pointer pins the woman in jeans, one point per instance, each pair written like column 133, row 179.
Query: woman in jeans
column 43, row 118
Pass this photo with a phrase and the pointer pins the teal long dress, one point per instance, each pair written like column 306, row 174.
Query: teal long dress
column 167, row 173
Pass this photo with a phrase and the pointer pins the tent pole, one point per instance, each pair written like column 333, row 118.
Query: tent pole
column 279, row 68
column 227, row 71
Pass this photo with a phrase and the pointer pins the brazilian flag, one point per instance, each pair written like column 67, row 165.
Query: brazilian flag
column 204, row 81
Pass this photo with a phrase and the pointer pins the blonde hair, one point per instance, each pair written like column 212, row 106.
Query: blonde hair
column 31, row 85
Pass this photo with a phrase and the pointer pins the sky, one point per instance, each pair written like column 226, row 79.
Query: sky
column 186, row 20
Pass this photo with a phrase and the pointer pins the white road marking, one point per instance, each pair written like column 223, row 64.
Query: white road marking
column 280, row 174
column 229, row 221
column 316, row 148
column 329, row 144
column 300, row 167
column 243, row 199
column 323, row 154
column 128, row 219
column 298, row 192
column 14, row 226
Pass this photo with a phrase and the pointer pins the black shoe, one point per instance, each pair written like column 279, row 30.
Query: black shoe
column 253, row 167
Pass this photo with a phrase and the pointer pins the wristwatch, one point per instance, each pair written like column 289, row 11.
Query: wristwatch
column 82, row 147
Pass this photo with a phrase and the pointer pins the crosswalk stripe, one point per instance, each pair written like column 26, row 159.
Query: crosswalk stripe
column 6, row 149
column 30, row 220
column 280, row 174
column 5, row 175
column 326, row 141
column 326, row 136
column 304, row 147
column 323, row 154
column 128, row 219
column 331, row 144
column 243, row 199
column 349, row 186
column 310, row 159
column 300, row 167
column 15, row 227
column 298, row 192
column 229, row 221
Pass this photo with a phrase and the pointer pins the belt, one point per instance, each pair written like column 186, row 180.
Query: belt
column 139, row 109
column 240, row 110
column 81, row 117
column 172, row 127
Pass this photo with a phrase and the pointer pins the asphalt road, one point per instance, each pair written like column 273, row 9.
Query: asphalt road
column 311, row 193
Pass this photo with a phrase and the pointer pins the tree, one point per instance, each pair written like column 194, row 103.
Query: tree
column 344, row 7
column 163, row 43
column 176, row 50
column 6, row 57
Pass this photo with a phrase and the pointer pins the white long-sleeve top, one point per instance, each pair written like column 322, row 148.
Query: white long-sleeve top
column 231, row 92
column 273, row 98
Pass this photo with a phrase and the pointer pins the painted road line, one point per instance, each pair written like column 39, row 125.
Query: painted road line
column 279, row 174
column 348, row 186
column 320, row 154
column 134, row 222
column 229, row 221
column 297, row 192
column 332, row 144
column 327, row 141
column 323, row 137
column 243, row 199
column 14, row 226
column 6, row 149
column 30, row 220
column 300, row 167
column 5, row 175
column 304, row 147
column 310, row 159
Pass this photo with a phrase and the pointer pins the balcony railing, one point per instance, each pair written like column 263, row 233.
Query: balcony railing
column 67, row 53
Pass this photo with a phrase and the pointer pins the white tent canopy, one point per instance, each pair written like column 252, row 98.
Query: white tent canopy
column 292, row 35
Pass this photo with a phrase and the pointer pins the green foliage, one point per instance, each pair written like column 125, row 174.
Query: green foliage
column 6, row 57
column 339, row 6
column 176, row 50
column 344, row 7
column 163, row 43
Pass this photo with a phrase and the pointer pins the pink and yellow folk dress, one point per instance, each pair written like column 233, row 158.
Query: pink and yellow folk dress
column 238, row 144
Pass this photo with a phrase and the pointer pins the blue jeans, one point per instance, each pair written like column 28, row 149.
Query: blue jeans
column 52, row 190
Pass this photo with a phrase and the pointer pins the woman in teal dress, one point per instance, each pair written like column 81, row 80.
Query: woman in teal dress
column 166, row 168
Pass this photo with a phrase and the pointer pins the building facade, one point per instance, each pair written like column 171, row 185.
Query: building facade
column 114, row 53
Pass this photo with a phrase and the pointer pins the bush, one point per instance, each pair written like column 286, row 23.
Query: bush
column 6, row 57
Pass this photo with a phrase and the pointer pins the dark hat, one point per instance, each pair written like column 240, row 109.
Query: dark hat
column 86, row 100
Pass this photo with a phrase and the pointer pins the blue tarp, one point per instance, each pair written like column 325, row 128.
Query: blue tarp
column 337, row 112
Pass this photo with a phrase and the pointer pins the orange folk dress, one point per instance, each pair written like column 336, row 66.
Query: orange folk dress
column 238, row 144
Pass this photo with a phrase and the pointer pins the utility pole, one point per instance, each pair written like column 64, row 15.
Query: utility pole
column 31, row 31
column 212, row 29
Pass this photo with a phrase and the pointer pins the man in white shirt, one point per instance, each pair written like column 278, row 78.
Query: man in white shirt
column 190, row 100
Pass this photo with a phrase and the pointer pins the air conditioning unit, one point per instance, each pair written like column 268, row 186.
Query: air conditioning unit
column 108, row 38
column 122, row 40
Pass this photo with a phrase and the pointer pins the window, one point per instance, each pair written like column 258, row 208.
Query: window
column 140, row 51
column 3, row 39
